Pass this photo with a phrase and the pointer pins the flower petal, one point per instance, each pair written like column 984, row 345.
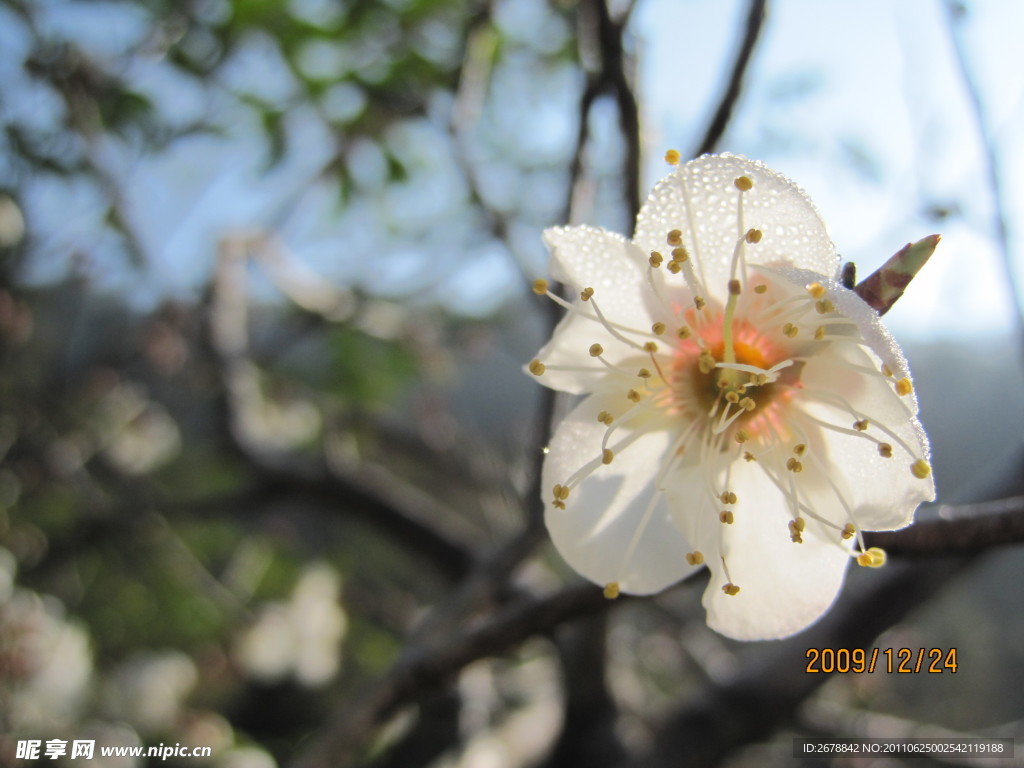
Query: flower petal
column 851, row 306
column 839, row 372
column 871, row 329
column 569, row 366
column 784, row 586
column 701, row 200
column 880, row 492
column 589, row 257
column 615, row 527
column 770, row 468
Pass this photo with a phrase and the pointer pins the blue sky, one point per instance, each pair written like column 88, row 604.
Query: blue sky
column 861, row 103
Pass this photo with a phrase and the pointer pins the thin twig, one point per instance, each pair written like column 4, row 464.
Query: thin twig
column 756, row 14
column 614, row 78
column 954, row 12
column 440, row 647
column 608, row 77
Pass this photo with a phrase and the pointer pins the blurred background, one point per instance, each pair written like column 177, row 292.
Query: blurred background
column 267, row 456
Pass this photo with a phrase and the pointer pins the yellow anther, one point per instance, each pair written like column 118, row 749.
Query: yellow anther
column 819, row 333
column 651, row 347
column 561, row 492
column 754, row 235
column 862, row 425
column 735, row 289
column 921, row 469
column 540, row 286
column 558, row 504
column 824, row 306
column 748, row 404
column 698, row 302
column 611, row 590
column 760, row 288
column 732, row 397
column 675, row 237
column 885, row 450
column 731, row 589
column 904, row 387
column 658, row 328
column 723, row 384
column 596, row 350
column 672, row 157
column 760, row 379
column 872, row 558
column 633, row 395
column 607, row 455
column 674, row 267
column 790, row 330
column 706, row 362
column 726, row 517
column 744, row 184
column 605, row 418
column 643, row 373
column 796, row 528
column 683, row 332
column 655, row 260
column 728, row 497
column 741, row 436
column 694, row 558
column 800, row 449
column 536, row 367
column 586, row 293
column 748, row 456
column 793, row 465
column 848, row 531
column 680, row 254
column 886, row 370
column 817, row 290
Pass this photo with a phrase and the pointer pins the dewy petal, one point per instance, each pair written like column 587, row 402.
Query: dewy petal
column 853, row 307
column 881, row 493
column 615, row 527
column 569, row 365
column 784, row 586
column 700, row 199
column 762, row 422
column 871, row 329
column 832, row 373
column 589, row 257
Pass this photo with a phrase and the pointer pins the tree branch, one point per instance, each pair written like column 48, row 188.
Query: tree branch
column 756, row 13
column 750, row 696
column 956, row 529
column 766, row 691
column 376, row 495
column 425, row 667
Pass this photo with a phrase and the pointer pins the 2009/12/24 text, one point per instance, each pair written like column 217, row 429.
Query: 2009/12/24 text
column 899, row 660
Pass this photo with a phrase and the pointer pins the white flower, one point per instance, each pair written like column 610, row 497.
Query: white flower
column 743, row 409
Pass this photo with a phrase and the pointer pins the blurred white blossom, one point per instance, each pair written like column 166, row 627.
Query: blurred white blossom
column 300, row 638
